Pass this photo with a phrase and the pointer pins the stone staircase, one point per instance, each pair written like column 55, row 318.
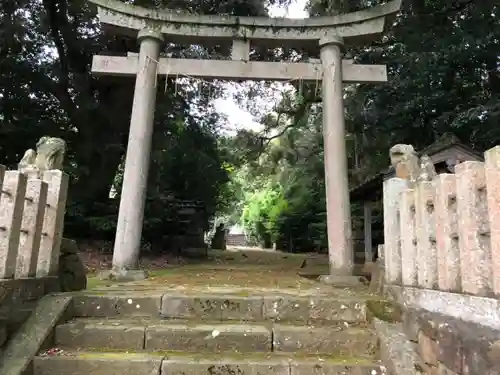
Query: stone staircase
column 142, row 329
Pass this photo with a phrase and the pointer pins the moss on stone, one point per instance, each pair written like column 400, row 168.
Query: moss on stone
column 387, row 311
column 332, row 358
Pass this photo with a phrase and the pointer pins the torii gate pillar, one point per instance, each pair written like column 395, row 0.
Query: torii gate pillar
column 137, row 161
column 338, row 213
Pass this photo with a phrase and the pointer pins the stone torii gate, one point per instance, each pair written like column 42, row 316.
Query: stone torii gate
column 326, row 36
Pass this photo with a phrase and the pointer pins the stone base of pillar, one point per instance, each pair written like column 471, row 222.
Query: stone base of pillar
column 123, row 275
column 341, row 280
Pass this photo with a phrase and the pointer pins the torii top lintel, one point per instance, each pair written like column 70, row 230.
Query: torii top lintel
column 199, row 29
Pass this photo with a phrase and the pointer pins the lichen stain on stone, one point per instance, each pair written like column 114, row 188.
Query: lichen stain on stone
column 207, row 305
column 225, row 370
column 386, row 311
column 494, row 352
column 231, row 305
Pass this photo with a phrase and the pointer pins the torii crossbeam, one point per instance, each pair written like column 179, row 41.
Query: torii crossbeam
column 327, row 35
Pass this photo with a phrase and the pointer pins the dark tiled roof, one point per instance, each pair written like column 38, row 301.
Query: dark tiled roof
column 371, row 188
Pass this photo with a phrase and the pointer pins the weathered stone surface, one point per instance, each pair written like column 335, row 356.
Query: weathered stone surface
column 53, row 223
column 221, row 307
column 211, row 338
column 448, row 252
column 480, row 350
column 426, row 260
column 212, row 307
column 322, row 368
column 11, row 214
column 396, row 351
column 95, row 306
column 392, row 232
column 31, row 228
column 341, row 280
column 408, row 230
column 410, row 325
column 481, row 310
column 123, row 275
column 286, row 309
column 428, row 349
column 377, row 280
column 313, row 310
column 443, row 370
column 405, row 161
column 129, row 304
column 24, row 345
column 460, row 347
column 242, row 308
column 492, row 167
column 184, row 366
column 103, row 335
column 321, row 310
column 10, row 291
column 98, row 364
column 348, row 341
column 473, row 225
column 298, row 32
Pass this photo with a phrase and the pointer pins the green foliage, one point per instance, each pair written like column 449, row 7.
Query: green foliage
column 443, row 61
column 444, row 77
column 262, row 212
column 46, row 88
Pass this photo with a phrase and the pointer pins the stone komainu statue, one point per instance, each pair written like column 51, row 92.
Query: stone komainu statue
column 409, row 166
column 49, row 155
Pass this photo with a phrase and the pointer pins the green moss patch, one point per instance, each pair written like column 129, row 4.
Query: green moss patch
column 387, row 311
column 332, row 358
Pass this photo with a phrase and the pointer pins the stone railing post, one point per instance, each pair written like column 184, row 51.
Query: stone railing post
column 447, row 235
column 426, row 238
column 492, row 169
column 392, row 236
column 31, row 228
column 473, row 224
column 53, row 223
column 11, row 213
column 408, row 238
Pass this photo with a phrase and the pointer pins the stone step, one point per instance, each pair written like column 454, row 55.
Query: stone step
column 102, row 363
column 158, row 335
column 223, row 307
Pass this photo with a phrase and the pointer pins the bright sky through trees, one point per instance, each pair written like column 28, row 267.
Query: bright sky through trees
column 238, row 117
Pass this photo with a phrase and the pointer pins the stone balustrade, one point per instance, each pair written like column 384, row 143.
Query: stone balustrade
column 441, row 260
column 444, row 234
column 32, row 208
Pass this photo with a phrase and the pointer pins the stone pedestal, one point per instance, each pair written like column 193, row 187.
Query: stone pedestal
column 340, row 247
column 341, row 280
column 133, row 195
column 123, row 275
